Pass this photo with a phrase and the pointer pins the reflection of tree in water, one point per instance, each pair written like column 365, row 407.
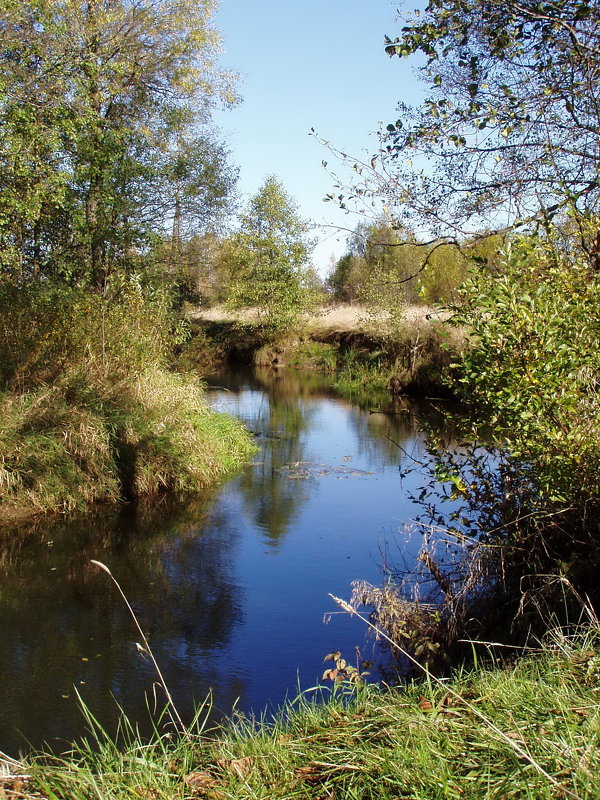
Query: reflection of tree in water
column 63, row 624
column 285, row 383
column 392, row 433
column 272, row 499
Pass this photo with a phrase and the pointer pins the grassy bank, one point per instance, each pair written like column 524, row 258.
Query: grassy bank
column 90, row 411
column 363, row 354
column 526, row 730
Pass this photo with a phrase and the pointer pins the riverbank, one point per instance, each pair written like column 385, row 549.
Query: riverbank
column 523, row 730
column 91, row 411
column 365, row 355
column 64, row 449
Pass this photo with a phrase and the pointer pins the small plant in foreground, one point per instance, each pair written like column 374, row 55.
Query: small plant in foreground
column 342, row 671
column 146, row 650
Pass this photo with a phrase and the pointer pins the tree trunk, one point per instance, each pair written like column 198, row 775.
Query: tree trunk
column 96, row 179
column 176, row 234
column 36, row 248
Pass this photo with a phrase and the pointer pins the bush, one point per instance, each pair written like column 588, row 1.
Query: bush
column 533, row 369
column 48, row 331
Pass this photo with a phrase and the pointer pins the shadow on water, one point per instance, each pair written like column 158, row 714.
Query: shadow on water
column 64, row 629
column 231, row 586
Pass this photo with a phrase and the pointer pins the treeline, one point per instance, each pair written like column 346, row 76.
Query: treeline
column 105, row 135
column 110, row 166
column 388, row 265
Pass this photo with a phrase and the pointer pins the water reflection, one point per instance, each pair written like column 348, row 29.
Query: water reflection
column 231, row 587
column 64, row 628
column 280, row 425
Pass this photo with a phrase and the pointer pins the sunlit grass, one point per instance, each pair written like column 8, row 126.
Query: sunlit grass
column 89, row 410
column 63, row 449
column 418, row 742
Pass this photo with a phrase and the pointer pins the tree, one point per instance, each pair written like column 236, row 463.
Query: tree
column 97, row 85
column 377, row 270
column 509, row 133
column 273, row 251
column 33, row 117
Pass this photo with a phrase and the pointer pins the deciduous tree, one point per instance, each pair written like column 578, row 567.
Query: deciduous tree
column 508, row 135
column 87, row 90
column 273, row 250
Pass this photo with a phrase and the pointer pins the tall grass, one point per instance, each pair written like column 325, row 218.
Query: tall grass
column 89, row 409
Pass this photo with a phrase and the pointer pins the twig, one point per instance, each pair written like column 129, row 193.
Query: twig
column 402, row 450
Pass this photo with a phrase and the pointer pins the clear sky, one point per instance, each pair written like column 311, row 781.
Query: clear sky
column 312, row 64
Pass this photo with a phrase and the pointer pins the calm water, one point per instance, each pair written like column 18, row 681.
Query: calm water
column 231, row 587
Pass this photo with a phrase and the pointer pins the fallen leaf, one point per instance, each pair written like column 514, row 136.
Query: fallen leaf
column 145, row 793
column 200, row 781
column 311, row 773
column 582, row 712
column 451, row 712
column 240, row 767
column 425, row 704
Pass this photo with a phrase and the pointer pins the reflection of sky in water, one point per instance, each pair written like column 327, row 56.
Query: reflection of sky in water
column 231, row 589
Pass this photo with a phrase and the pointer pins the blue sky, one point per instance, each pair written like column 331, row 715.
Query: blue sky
column 312, row 64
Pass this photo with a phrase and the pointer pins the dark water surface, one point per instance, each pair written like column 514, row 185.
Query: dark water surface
column 231, row 587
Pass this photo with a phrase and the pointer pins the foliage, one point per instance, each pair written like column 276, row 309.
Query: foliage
column 506, row 137
column 512, row 113
column 271, row 252
column 386, row 267
column 377, row 267
column 192, row 190
column 416, row 626
column 49, row 330
column 343, row 672
column 99, row 107
column 533, row 369
column 346, row 278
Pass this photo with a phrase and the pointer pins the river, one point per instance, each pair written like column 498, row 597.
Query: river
column 232, row 587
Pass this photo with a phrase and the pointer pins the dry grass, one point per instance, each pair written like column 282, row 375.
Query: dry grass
column 342, row 317
column 65, row 447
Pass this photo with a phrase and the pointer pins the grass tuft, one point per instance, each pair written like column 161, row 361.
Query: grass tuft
column 90, row 411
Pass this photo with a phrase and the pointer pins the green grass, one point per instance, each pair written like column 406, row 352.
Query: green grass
column 527, row 730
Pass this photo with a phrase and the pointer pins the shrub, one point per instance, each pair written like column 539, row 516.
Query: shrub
column 533, row 367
